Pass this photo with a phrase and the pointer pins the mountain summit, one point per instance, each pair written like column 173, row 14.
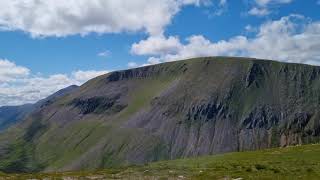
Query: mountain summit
column 179, row 109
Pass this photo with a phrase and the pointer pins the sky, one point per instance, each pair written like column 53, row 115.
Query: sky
column 46, row 45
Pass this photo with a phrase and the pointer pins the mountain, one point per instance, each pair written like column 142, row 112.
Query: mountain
column 167, row 111
column 52, row 98
column 10, row 115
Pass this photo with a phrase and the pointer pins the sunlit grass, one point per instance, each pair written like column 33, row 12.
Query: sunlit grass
column 300, row 162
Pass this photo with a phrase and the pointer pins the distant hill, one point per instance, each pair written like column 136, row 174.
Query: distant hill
column 10, row 115
column 167, row 111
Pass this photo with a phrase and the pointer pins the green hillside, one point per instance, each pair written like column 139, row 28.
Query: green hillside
column 299, row 162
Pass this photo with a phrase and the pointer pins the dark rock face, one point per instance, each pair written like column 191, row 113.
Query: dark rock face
column 206, row 112
column 129, row 74
column 178, row 109
column 300, row 121
column 97, row 105
column 256, row 71
column 93, row 104
column 261, row 117
column 145, row 72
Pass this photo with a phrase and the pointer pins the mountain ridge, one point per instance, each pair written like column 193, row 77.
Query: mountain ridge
column 173, row 110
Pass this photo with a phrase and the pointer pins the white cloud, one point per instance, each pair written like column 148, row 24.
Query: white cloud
column 250, row 29
column 259, row 11
column 156, row 45
column 222, row 2
column 83, row 76
column 132, row 65
column 19, row 86
column 62, row 18
column 268, row 2
column 264, row 7
column 290, row 39
column 104, row 53
column 219, row 8
column 9, row 71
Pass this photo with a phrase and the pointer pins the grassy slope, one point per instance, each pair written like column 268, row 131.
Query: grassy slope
column 77, row 138
column 300, row 162
column 60, row 146
column 81, row 136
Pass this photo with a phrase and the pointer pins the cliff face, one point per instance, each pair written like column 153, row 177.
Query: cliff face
column 167, row 111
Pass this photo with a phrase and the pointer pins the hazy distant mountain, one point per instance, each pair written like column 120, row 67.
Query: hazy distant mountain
column 167, row 111
column 10, row 115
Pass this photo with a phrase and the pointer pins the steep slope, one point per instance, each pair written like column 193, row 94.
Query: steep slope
column 10, row 115
column 53, row 97
column 168, row 111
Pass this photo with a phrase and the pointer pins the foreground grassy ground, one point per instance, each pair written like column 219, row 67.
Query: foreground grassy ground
column 300, row 162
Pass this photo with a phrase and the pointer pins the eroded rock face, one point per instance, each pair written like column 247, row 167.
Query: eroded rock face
column 265, row 105
column 261, row 117
column 206, row 112
column 255, row 74
column 140, row 73
column 98, row 105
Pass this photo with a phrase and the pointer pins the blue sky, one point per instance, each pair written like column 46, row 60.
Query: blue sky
column 69, row 43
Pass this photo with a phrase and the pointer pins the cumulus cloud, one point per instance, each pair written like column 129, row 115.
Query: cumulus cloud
column 264, row 7
column 217, row 8
column 9, row 71
column 156, row 45
column 19, row 86
column 83, row 76
column 62, row 18
column 290, row 39
column 267, row 2
column 259, row 11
